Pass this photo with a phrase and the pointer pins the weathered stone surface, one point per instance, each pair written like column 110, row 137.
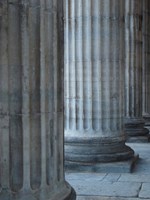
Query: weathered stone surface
column 85, row 176
column 135, row 178
column 94, row 69
column 101, row 188
column 31, row 101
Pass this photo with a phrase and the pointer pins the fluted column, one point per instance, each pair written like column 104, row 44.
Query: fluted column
column 146, row 62
column 134, row 123
column 94, row 64
column 31, row 114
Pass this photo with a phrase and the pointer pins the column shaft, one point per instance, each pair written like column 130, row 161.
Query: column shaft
column 134, row 123
column 94, row 63
column 146, row 62
column 31, row 108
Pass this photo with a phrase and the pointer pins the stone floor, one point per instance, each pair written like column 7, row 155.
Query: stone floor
column 116, row 186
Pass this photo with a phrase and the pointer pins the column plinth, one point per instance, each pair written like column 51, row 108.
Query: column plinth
column 91, row 150
column 94, row 64
column 147, row 120
column 31, row 101
column 136, row 131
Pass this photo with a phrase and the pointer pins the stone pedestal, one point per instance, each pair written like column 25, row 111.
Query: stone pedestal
column 94, row 64
column 134, row 123
column 146, row 62
column 31, row 109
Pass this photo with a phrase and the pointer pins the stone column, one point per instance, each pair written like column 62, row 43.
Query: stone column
column 31, row 114
column 134, row 123
column 94, row 64
column 146, row 62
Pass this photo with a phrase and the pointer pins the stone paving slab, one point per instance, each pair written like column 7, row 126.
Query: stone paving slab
column 85, row 176
column 112, row 177
column 135, row 177
column 145, row 191
column 104, row 188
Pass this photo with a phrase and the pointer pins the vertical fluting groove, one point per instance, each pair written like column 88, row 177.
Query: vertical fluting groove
column 35, row 125
column 66, row 64
column 60, row 89
column 15, row 97
column 4, row 100
column 120, row 51
column 105, row 37
column 144, row 58
column 101, row 59
column 148, row 61
column 43, row 80
column 127, row 58
column 114, row 72
column 82, row 64
column 95, row 66
column 131, row 63
column 86, row 60
column 76, row 64
column 50, row 167
column 72, row 70
column 99, row 85
column 56, row 96
column 25, row 96
column 90, row 67
column 79, row 66
column 138, row 61
column 121, row 33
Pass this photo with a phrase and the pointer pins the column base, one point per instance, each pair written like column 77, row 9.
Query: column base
column 71, row 196
column 98, row 155
column 126, row 166
column 139, row 139
column 148, row 127
column 65, row 192
column 135, row 130
column 146, row 118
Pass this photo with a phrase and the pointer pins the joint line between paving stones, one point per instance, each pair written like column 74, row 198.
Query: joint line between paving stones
column 118, row 178
column 104, row 176
column 139, row 190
